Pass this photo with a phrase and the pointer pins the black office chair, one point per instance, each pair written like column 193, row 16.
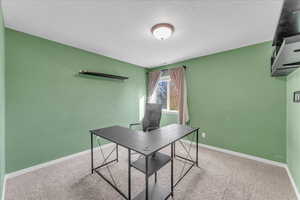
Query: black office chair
column 151, row 120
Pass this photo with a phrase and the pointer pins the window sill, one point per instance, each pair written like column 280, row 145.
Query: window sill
column 173, row 112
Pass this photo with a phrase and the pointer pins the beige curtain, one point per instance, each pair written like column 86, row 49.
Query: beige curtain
column 179, row 79
column 153, row 78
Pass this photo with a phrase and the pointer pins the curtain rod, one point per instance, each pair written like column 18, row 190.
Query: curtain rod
column 168, row 69
column 175, row 67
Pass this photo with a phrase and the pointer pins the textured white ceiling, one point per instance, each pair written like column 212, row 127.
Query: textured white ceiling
column 121, row 28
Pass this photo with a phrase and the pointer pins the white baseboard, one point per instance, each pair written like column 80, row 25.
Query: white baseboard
column 46, row 164
column 3, row 188
column 39, row 166
column 243, row 155
column 293, row 182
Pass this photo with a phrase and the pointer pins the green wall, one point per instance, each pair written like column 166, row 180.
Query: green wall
column 2, row 103
column 50, row 108
column 233, row 98
column 293, row 127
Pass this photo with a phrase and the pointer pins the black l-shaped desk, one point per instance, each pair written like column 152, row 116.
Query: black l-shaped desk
column 146, row 144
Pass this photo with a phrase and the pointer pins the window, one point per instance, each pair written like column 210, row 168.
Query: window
column 165, row 94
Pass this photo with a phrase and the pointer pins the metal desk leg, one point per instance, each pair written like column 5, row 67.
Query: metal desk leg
column 117, row 152
column 129, row 174
column 197, row 148
column 174, row 155
column 172, row 170
column 146, row 178
column 92, row 154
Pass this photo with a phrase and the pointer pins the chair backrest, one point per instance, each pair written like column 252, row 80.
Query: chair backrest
column 152, row 116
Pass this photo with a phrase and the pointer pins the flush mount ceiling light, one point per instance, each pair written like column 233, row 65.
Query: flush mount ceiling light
column 162, row 31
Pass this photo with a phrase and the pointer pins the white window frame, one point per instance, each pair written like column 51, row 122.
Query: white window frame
column 168, row 79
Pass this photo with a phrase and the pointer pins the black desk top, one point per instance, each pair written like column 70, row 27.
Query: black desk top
column 145, row 143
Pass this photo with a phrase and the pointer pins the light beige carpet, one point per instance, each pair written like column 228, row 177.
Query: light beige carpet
column 220, row 177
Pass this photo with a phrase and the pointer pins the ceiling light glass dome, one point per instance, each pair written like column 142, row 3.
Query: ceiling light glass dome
column 162, row 31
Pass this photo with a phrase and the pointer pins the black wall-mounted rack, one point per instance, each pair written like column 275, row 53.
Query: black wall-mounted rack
column 297, row 97
column 102, row 75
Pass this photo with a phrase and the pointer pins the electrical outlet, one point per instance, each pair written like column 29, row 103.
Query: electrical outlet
column 203, row 135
